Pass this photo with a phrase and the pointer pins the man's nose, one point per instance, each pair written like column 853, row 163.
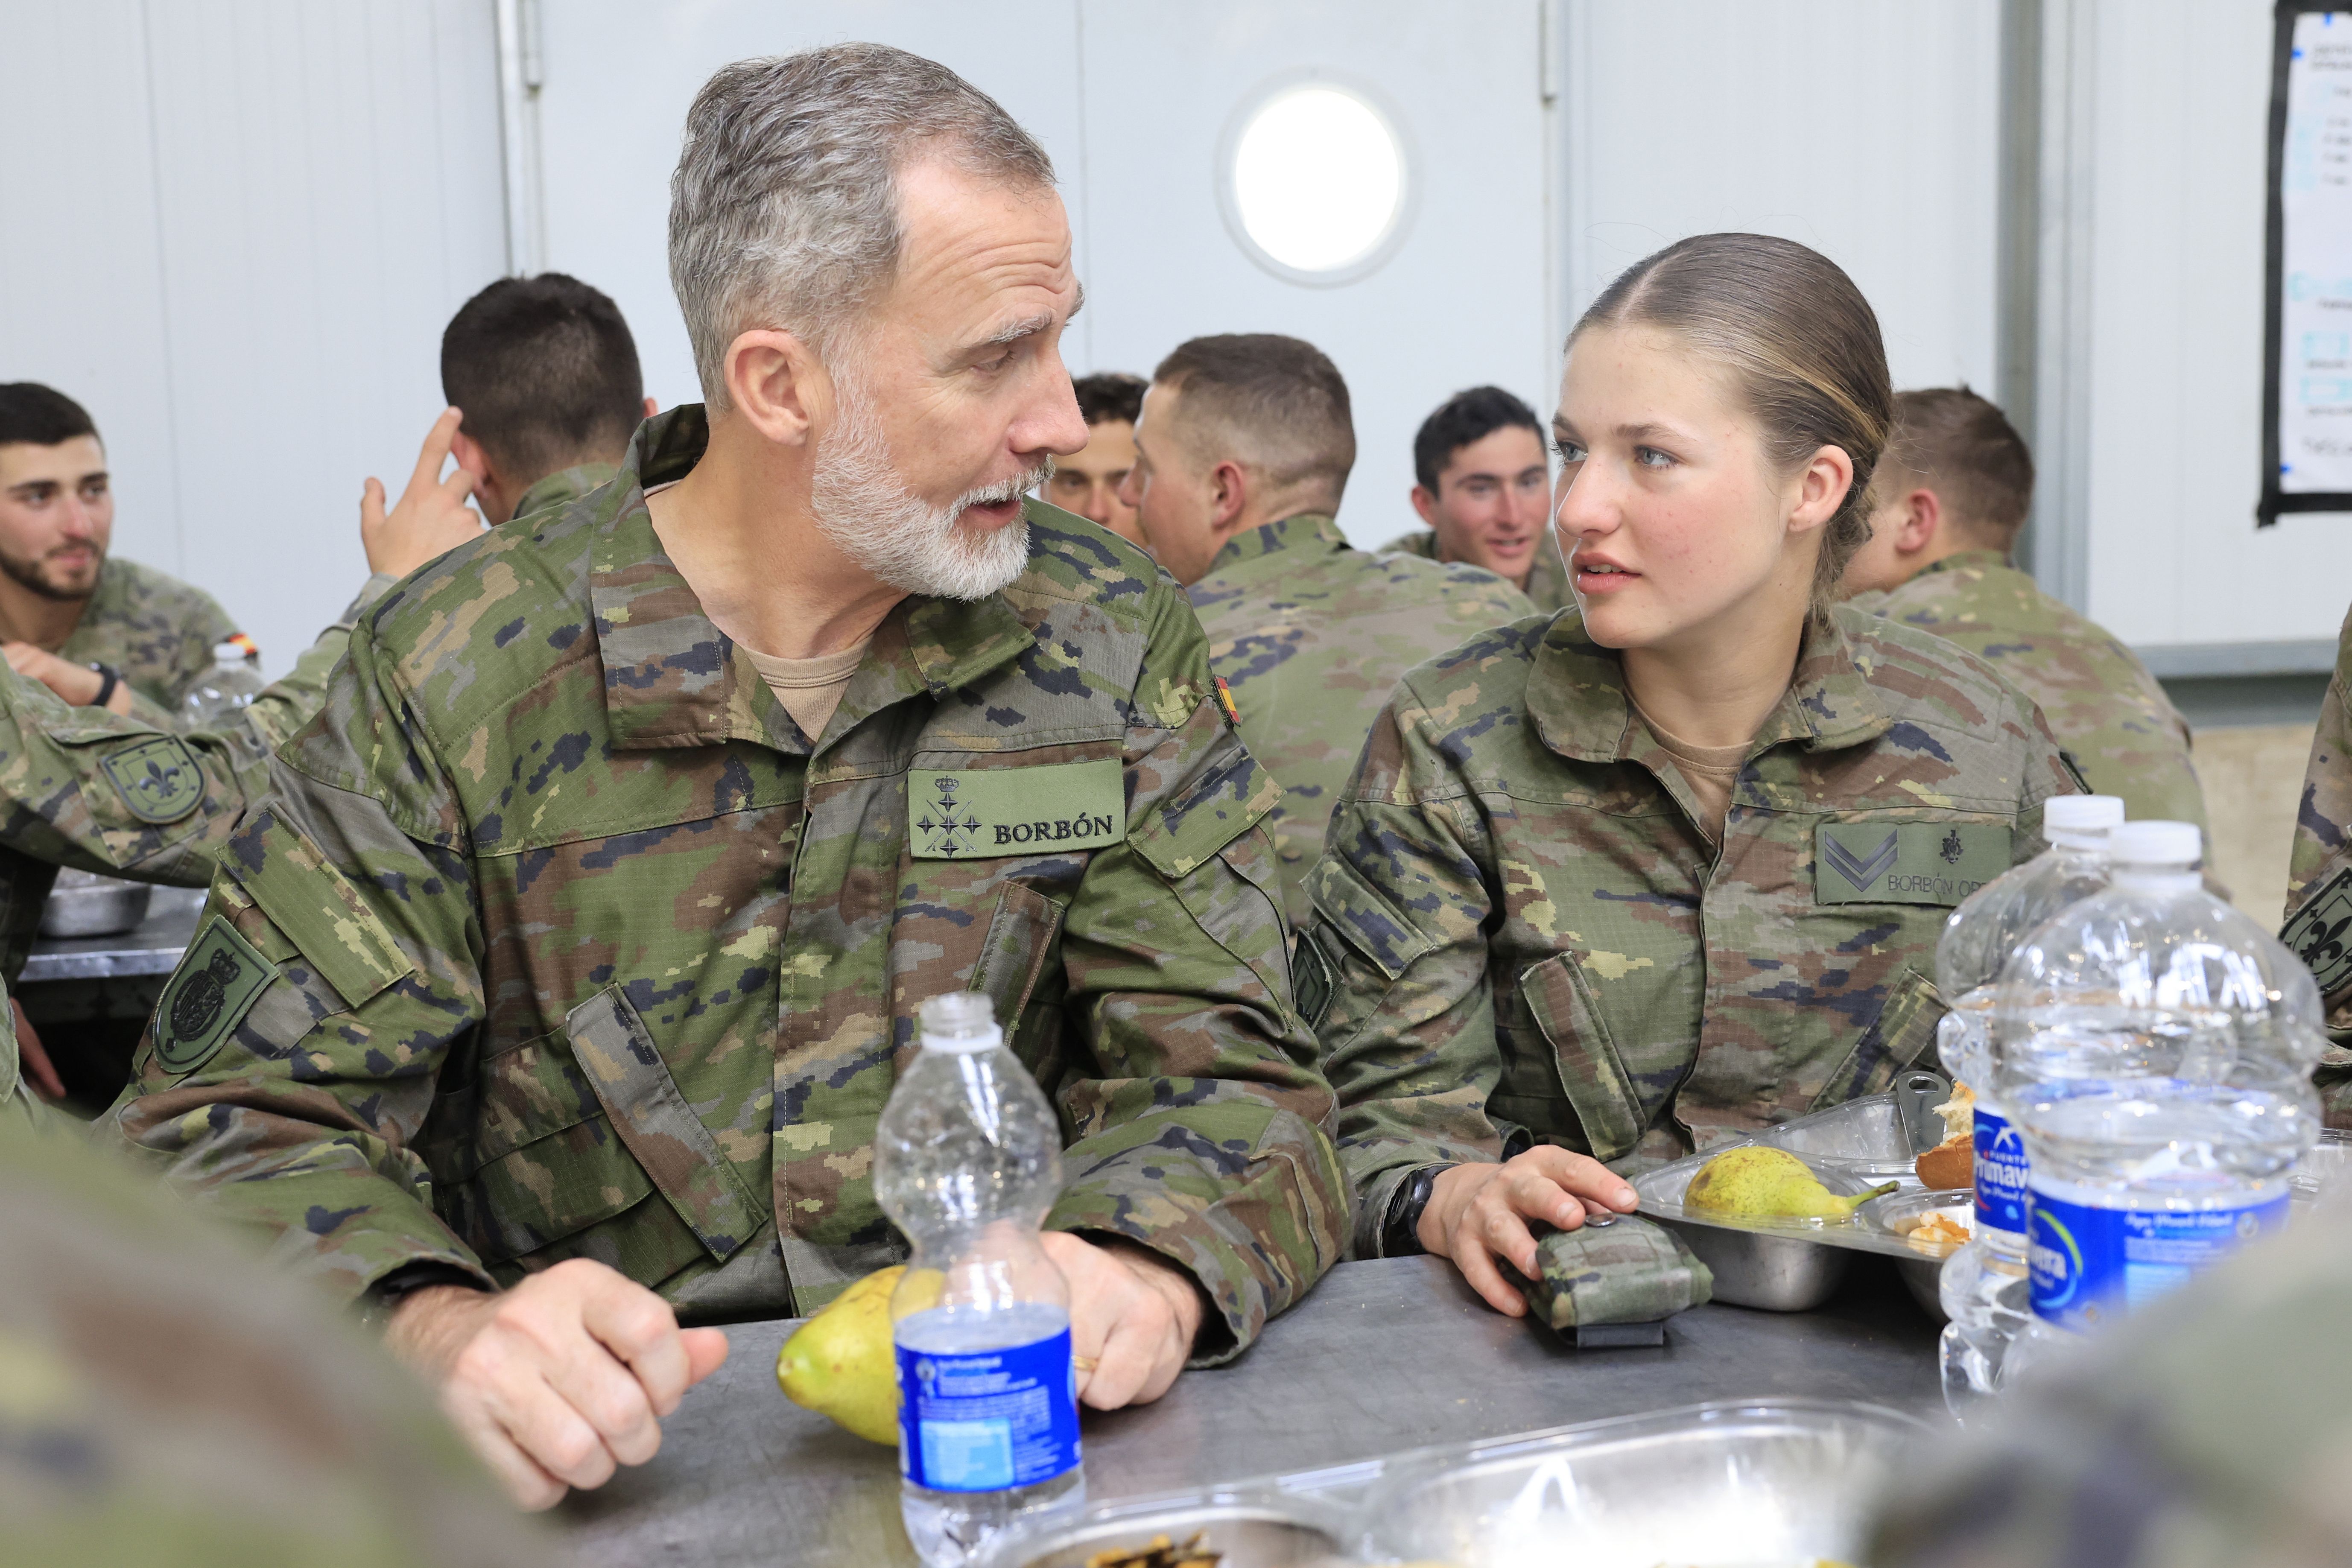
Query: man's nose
column 78, row 522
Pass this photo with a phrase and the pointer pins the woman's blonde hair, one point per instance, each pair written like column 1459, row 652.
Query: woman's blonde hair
column 1802, row 346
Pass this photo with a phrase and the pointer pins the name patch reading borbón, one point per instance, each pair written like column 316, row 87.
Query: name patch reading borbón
column 973, row 814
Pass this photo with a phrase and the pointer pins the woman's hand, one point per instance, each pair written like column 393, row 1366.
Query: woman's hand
column 1479, row 1213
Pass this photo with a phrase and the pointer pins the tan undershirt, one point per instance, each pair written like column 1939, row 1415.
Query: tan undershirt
column 809, row 688
column 1710, row 771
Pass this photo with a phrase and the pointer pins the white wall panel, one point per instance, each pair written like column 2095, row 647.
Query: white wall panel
column 262, row 215
column 1864, row 130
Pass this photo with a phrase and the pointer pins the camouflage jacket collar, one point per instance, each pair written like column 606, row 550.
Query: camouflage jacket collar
column 1309, row 531
column 1423, row 543
column 1576, row 693
column 564, row 487
column 1982, row 560
column 673, row 679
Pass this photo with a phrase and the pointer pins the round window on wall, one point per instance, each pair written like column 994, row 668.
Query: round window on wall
column 1315, row 182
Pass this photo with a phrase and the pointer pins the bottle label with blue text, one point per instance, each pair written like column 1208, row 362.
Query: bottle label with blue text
column 2001, row 1174
column 989, row 1420
column 2091, row 1264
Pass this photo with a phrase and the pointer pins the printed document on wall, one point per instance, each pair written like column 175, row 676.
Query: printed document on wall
column 2314, row 349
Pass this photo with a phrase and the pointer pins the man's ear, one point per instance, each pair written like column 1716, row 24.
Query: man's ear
column 470, row 456
column 776, row 386
column 1922, row 523
column 652, row 408
column 1228, row 495
column 1426, row 504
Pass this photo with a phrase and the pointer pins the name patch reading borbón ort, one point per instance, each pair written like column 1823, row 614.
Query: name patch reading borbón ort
column 1905, row 862
column 973, row 814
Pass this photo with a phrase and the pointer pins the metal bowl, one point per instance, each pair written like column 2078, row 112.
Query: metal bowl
column 1788, row 1481
column 82, row 904
column 1922, row 1275
column 1245, row 1534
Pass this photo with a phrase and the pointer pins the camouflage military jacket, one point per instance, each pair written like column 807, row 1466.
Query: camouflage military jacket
column 2100, row 701
column 1529, row 938
column 1311, row 636
column 123, row 796
column 157, row 630
column 564, row 486
column 560, row 938
column 1547, row 589
column 2319, row 878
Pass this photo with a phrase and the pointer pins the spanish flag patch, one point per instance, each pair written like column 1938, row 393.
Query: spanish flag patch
column 1225, row 701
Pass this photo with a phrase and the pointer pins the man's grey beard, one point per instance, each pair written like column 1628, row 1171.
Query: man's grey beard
column 867, row 509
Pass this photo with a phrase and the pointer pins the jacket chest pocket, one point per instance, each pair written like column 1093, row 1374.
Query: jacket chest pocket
column 579, row 1127
column 1582, row 1051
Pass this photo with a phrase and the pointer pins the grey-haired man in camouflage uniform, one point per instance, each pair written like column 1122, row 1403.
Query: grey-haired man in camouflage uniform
column 1242, row 453
column 557, row 992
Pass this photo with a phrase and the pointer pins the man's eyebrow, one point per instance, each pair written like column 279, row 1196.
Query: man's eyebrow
column 29, row 486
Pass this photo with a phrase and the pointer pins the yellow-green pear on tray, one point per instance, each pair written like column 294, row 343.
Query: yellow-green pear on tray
column 840, row 1364
column 1755, row 1183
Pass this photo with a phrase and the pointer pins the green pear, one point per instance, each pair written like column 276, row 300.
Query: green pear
column 1755, row 1183
column 841, row 1364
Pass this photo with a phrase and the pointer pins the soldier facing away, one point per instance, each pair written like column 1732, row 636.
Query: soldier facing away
column 2319, row 879
column 1482, row 483
column 1946, row 506
column 1610, row 884
column 1244, row 447
column 602, row 895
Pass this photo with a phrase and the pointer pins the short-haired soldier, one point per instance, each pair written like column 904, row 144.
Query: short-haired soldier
column 1946, row 507
column 1087, row 481
column 1245, row 449
column 556, row 994
column 1482, row 483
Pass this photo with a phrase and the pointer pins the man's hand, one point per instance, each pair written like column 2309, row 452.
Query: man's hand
column 430, row 519
column 33, row 1060
column 1133, row 1315
column 559, row 1380
column 1478, row 1213
column 75, row 684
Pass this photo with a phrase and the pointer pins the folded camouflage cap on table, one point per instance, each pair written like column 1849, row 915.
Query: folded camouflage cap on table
column 1621, row 1270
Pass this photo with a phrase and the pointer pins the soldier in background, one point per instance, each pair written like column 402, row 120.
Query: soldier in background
column 2319, row 878
column 545, row 372
column 99, row 630
column 1946, row 507
column 1482, row 483
column 554, row 995
column 2199, row 1433
column 1088, row 481
column 1243, row 449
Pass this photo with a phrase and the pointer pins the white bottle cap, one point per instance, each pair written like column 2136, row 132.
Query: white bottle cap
column 960, row 1021
column 2155, row 845
column 2080, row 821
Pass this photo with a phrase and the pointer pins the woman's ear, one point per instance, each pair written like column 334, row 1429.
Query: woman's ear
column 1819, row 490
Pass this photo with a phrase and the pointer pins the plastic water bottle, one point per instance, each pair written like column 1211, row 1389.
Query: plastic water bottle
column 2156, row 1048
column 231, row 684
column 1983, row 1285
column 968, row 1159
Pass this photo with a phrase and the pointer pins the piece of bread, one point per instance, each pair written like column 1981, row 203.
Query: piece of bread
column 1949, row 1164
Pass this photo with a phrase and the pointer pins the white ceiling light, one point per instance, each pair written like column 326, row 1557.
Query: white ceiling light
column 1316, row 182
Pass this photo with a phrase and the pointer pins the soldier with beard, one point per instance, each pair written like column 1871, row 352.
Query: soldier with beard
column 553, row 998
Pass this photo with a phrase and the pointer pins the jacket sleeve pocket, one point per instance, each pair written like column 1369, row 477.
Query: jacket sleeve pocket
column 1900, row 1034
column 1590, row 1070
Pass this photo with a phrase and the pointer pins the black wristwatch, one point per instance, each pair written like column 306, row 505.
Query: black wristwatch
column 109, row 678
column 380, row 1300
column 1400, row 1234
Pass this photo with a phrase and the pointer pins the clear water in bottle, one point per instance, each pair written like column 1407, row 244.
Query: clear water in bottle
column 2156, row 1048
column 230, row 685
column 1983, row 1287
column 967, row 1160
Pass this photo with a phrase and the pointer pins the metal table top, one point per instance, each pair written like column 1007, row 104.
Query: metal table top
column 1384, row 1355
column 153, row 947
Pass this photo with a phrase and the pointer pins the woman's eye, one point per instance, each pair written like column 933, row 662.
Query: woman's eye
column 1570, row 452
column 1651, row 458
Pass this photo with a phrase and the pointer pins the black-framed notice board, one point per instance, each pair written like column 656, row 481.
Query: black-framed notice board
column 2307, row 350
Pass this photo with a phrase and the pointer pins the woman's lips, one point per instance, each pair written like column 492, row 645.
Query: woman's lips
column 1595, row 579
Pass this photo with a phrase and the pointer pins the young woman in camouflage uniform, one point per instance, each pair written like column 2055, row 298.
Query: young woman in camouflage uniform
column 1611, row 884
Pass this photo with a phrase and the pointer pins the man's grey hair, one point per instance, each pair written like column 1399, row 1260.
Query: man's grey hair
column 783, row 212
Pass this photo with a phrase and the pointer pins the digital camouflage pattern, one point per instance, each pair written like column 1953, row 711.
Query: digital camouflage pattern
column 2201, row 1432
column 157, row 630
column 1547, row 589
column 564, row 487
column 124, row 796
column 1624, row 1270
column 2319, row 879
column 21, row 1111
column 164, row 1398
column 578, row 947
column 1311, row 635
column 1530, row 939
column 2101, row 703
